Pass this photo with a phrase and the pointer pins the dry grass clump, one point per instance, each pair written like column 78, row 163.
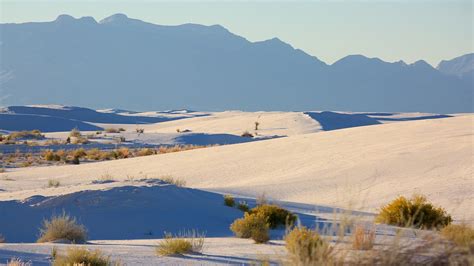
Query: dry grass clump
column 53, row 183
column 145, row 152
column 82, row 256
column 18, row 262
column 306, row 247
column 75, row 133
column 253, row 226
column 112, row 130
column 460, row 234
column 363, row 239
column 229, row 201
column 415, row 212
column 62, row 227
column 190, row 242
column 173, row 181
column 275, row 215
column 27, row 134
column 51, row 156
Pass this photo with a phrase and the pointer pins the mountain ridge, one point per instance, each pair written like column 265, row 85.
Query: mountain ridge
column 129, row 63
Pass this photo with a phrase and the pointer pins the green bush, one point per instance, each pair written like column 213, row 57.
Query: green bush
column 306, row 247
column 275, row 215
column 253, row 226
column 229, row 201
column 82, row 256
column 416, row 212
column 62, row 227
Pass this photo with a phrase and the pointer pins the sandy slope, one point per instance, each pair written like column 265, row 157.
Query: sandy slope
column 368, row 165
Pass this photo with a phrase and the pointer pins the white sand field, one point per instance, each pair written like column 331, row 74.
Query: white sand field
column 366, row 165
column 359, row 168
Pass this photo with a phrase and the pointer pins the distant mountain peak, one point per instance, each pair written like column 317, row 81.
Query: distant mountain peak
column 459, row 66
column 66, row 19
column 115, row 18
column 422, row 64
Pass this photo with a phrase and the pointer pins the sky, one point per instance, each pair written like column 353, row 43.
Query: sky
column 407, row 30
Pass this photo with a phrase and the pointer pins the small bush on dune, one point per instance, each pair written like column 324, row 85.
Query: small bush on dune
column 247, row 134
column 32, row 134
column 306, row 247
column 416, row 212
column 173, row 181
column 191, row 242
column 275, row 215
column 112, row 130
column 75, row 133
column 243, row 206
column 460, row 234
column 253, row 226
column 363, row 239
column 229, row 201
column 62, row 227
column 53, row 183
column 82, row 256
column 18, row 262
column 145, row 152
column 51, row 156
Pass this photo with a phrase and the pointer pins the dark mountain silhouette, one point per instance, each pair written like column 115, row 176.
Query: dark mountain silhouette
column 127, row 63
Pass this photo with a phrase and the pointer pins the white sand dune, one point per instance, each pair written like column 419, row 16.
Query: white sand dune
column 366, row 165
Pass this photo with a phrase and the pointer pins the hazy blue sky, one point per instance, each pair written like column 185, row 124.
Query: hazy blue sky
column 391, row 30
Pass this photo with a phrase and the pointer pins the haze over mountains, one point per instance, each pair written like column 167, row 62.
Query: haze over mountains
column 127, row 63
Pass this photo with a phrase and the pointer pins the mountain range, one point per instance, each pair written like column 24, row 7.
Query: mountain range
column 127, row 63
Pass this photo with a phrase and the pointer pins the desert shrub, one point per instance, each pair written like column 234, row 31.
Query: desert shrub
column 103, row 179
column 25, row 164
column 145, row 152
column 229, row 201
column 247, row 134
column 82, row 256
column 51, row 156
column 140, row 130
column 79, row 153
column 75, row 133
column 18, row 262
column 121, row 129
column 415, row 212
column 2, row 239
column 32, row 134
column 460, row 234
column 306, row 247
column 53, row 183
column 243, row 206
column 94, row 154
column 173, row 181
column 123, row 152
column 253, row 226
column 111, row 130
column 2, row 170
column 363, row 239
column 275, row 215
column 191, row 242
column 62, row 227
column 79, row 140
